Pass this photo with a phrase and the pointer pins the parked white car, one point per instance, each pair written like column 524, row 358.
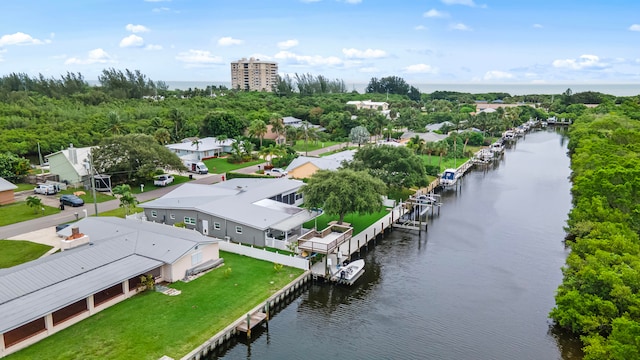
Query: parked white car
column 162, row 180
column 277, row 172
column 45, row 189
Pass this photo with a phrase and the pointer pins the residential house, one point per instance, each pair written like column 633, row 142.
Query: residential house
column 368, row 104
column 427, row 137
column 299, row 123
column 44, row 296
column 303, row 167
column 6, row 192
column 201, row 149
column 243, row 210
column 71, row 165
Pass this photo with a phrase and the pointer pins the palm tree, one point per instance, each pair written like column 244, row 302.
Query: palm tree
column 277, row 126
column 197, row 143
column 162, row 136
column 430, row 148
column 442, row 149
column 417, row 144
column 115, row 126
column 34, row 202
column 258, row 128
column 127, row 200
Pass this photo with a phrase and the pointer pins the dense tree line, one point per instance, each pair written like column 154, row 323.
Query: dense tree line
column 599, row 298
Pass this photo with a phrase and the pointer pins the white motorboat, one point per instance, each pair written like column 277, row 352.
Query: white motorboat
column 509, row 135
column 449, row 178
column 497, row 147
column 349, row 273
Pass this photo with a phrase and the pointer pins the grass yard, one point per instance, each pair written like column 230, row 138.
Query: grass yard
column 221, row 165
column 19, row 211
column 359, row 222
column 151, row 324
column 16, row 252
column 446, row 162
column 311, row 145
column 119, row 212
column 23, row 187
column 338, row 150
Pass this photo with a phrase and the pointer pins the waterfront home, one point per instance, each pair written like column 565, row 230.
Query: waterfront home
column 101, row 265
column 368, row 104
column 244, row 210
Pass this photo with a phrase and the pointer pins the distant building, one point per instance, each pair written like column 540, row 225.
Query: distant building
column 201, row 149
column 6, row 192
column 303, row 167
column 253, row 74
column 71, row 165
column 368, row 104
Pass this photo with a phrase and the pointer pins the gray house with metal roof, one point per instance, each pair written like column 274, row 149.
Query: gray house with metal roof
column 244, row 210
column 46, row 295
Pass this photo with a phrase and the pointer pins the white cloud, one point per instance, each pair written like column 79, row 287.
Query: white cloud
column 537, row 26
column 315, row 60
column 152, row 47
column 364, row 54
column 420, row 69
column 228, row 41
column 497, row 75
column 369, row 70
column 132, row 41
column 433, row 13
column 353, row 1
column 460, row 26
column 420, row 27
column 634, row 27
column 20, row 38
column 94, row 56
column 583, row 62
column 161, row 9
column 136, row 28
column 198, row 58
column 287, row 44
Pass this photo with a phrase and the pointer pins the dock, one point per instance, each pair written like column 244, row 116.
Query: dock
column 251, row 321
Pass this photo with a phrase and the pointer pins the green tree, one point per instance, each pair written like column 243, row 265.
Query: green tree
column 133, row 156
column 13, row 167
column 34, row 202
column 396, row 166
column 359, row 135
column 127, row 200
column 342, row 192
column 258, row 128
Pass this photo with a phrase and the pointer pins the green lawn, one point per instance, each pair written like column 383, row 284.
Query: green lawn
column 16, row 252
column 359, row 222
column 221, row 165
column 446, row 162
column 19, row 211
column 151, row 324
column 119, row 212
column 311, row 146
column 148, row 186
column 23, row 187
column 338, row 150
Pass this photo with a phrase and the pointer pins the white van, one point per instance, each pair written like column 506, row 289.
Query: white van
column 45, row 189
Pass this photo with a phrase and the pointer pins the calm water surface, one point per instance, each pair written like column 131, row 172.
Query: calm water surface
column 478, row 284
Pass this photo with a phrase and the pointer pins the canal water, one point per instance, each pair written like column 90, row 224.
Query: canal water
column 479, row 284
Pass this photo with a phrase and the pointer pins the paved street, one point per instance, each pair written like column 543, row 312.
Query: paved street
column 89, row 209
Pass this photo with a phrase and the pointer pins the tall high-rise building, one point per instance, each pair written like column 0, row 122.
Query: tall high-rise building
column 253, row 74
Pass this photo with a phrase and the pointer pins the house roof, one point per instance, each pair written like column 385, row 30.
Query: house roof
column 427, row 137
column 77, row 157
column 6, row 185
column 331, row 162
column 119, row 249
column 245, row 201
column 206, row 144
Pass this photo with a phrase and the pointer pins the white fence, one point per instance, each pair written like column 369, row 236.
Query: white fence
column 262, row 254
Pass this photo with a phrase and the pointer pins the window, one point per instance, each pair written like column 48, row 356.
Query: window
column 172, row 216
column 189, row 220
column 154, row 213
column 216, row 226
column 238, row 229
column 196, row 258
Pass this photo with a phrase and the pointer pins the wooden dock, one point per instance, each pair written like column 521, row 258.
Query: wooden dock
column 251, row 321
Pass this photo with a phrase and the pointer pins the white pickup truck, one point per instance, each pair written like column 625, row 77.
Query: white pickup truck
column 276, row 172
column 162, row 180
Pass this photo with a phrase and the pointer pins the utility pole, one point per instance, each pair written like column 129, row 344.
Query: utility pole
column 93, row 184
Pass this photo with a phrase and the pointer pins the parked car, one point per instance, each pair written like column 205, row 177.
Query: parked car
column 45, row 189
column 277, row 172
column 71, row 200
column 162, row 180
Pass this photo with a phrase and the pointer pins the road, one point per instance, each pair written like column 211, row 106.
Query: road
column 70, row 213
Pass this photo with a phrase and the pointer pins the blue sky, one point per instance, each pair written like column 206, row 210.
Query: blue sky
column 436, row 41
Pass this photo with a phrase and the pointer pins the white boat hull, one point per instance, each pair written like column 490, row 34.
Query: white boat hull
column 349, row 273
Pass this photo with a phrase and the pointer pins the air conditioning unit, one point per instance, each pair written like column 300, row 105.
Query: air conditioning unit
column 227, row 238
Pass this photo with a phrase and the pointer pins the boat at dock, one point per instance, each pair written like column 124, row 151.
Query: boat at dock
column 348, row 274
column 497, row 147
column 449, row 178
